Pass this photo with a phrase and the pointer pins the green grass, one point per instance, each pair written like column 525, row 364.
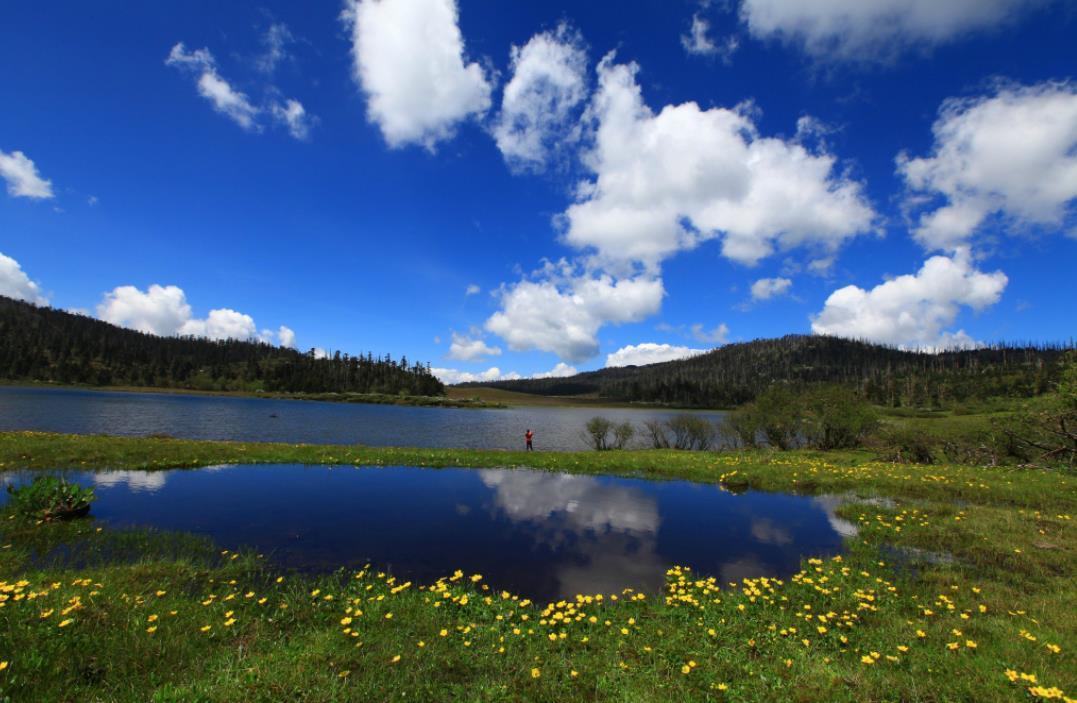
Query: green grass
column 1009, row 578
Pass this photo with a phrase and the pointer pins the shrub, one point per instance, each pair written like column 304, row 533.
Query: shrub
column 1045, row 432
column 623, row 434
column 50, row 498
column 835, row 418
column 822, row 417
column 597, row 432
column 691, row 432
column 656, row 430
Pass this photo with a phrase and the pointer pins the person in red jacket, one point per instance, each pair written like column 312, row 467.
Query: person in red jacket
column 528, row 436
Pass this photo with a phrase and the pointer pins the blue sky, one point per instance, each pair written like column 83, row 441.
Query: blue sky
column 612, row 183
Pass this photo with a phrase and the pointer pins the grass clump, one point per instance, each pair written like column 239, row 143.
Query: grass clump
column 50, row 498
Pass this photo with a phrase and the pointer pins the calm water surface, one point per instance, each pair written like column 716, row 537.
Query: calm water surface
column 269, row 420
column 542, row 535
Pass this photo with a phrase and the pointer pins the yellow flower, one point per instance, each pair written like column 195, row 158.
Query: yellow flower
column 388, row 616
column 572, row 673
column 344, row 674
column 345, row 621
column 866, row 659
column 65, row 623
column 686, row 669
column 536, row 672
column 970, row 644
column 444, row 632
column 206, row 628
column 395, row 659
column 160, row 593
column 3, row 665
column 151, row 629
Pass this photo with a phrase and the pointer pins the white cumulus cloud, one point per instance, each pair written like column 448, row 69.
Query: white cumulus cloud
column 454, row 376
column 1011, row 154
column 560, row 370
column 665, row 182
column 409, row 61
column 164, row 311
column 563, row 311
column 286, row 335
column 23, row 180
column 767, row 288
column 873, row 29
column 14, row 283
column 649, row 353
column 464, row 348
column 913, row 310
column 538, row 106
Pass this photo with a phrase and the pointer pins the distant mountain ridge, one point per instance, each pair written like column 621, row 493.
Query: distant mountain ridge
column 736, row 373
column 48, row 345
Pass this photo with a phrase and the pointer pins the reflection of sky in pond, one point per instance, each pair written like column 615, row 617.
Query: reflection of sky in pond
column 543, row 535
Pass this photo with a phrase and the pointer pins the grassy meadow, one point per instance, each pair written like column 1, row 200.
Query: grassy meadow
column 960, row 587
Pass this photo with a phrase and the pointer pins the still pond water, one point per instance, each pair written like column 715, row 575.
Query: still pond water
column 542, row 535
column 271, row 420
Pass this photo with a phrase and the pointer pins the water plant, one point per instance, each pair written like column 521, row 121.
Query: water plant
column 50, row 498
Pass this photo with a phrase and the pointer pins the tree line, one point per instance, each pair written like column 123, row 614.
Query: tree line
column 47, row 345
column 738, row 373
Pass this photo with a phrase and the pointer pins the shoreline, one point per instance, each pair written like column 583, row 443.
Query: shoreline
column 179, row 618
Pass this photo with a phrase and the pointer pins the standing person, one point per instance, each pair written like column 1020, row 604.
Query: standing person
column 528, row 436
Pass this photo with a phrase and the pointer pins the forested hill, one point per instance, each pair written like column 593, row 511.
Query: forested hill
column 736, row 373
column 43, row 344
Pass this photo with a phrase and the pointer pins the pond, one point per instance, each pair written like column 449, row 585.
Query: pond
column 539, row 534
column 273, row 420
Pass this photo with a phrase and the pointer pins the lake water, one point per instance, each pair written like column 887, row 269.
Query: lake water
column 542, row 535
column 270, row 420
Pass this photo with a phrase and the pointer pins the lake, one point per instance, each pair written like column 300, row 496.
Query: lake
column 539, row 534
column 272, row 420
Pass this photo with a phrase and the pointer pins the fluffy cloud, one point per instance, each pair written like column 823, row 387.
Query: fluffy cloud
column 663, row 183
column 561, row 370
column 286, row 335
column 454, row 376
column 873, row 29
column 698, row 42
column 912, row 311
column 14, row 283
column 767, row 288
column 23, row 180
column 1012, row 154
column 464, row 348
column 649, row 353
column 164, row 311
column 409, row 61
column 563, row 312
column 222, row 323
column 538, row 104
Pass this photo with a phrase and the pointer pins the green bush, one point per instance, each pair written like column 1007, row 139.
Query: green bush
column 50, row 498
column 598, row 430
column 820, row 417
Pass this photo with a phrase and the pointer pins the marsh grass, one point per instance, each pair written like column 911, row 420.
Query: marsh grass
column 843, row 629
